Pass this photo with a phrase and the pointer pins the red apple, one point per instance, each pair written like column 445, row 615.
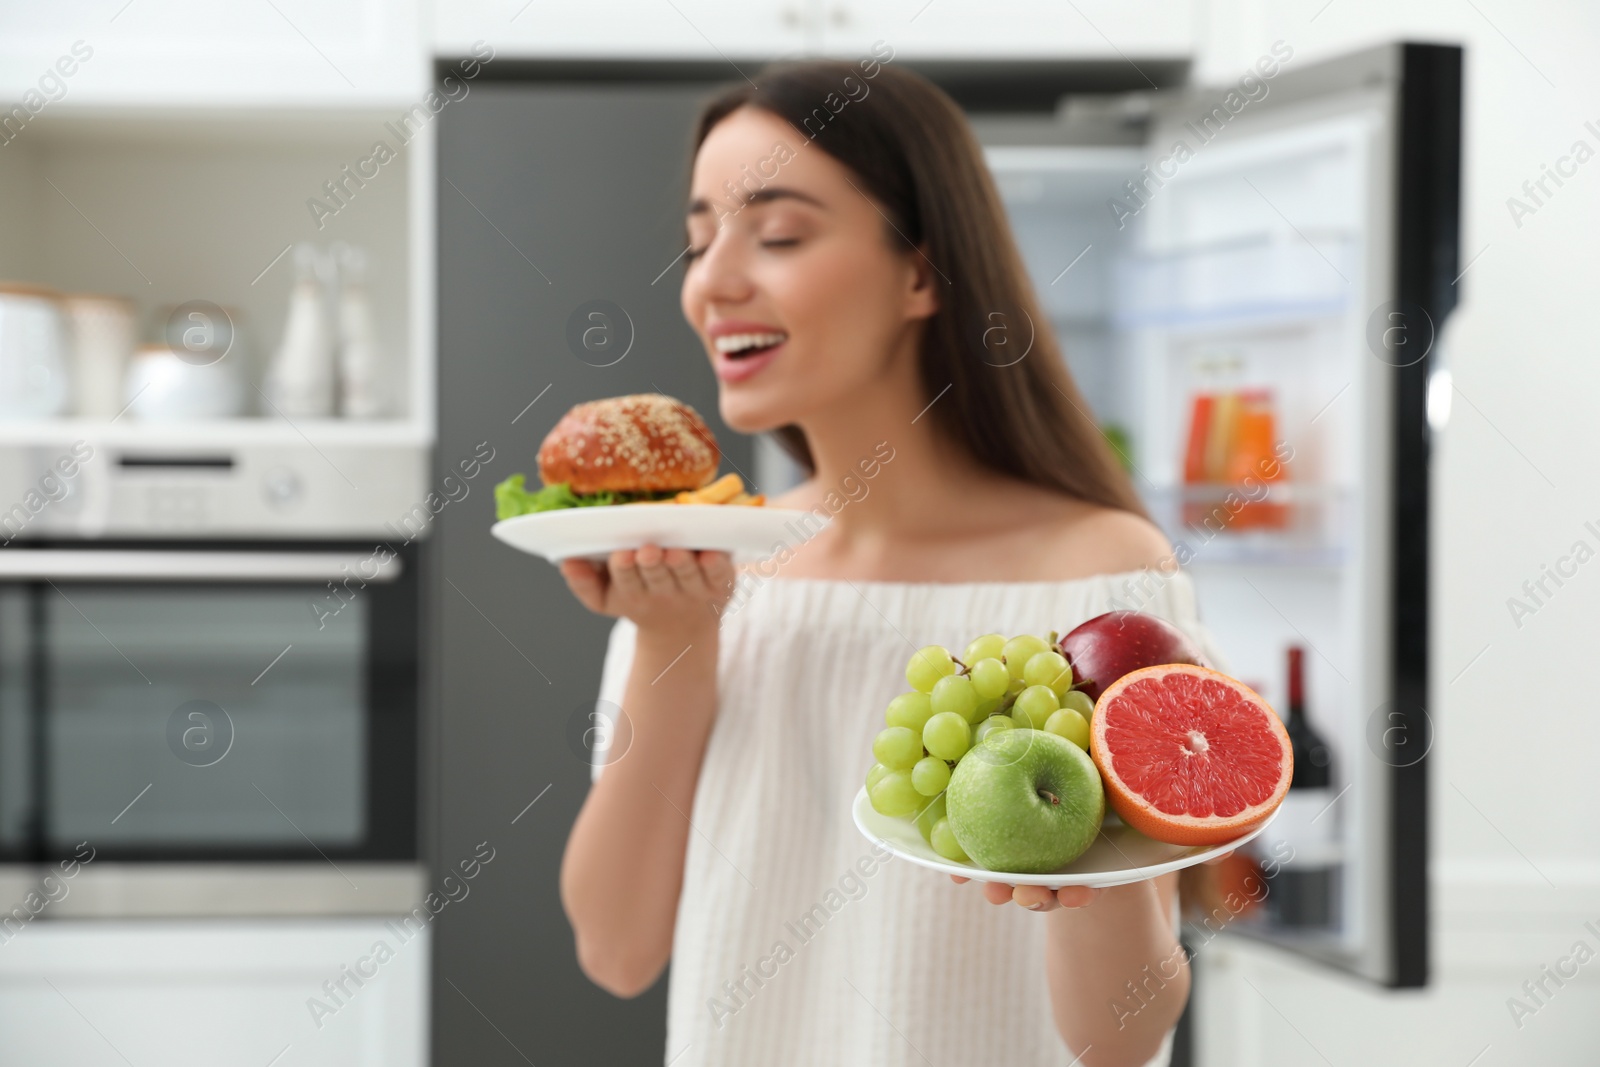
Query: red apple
column 1120, row 642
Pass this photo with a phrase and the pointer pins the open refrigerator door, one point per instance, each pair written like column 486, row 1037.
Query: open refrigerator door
column 1247, row 280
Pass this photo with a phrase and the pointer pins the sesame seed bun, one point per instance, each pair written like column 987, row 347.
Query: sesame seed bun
column 629, row 444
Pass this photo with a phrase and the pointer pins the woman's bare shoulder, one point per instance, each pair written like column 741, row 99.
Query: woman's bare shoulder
column 1046, row 536
column 1133, row 540
column 1089, row 539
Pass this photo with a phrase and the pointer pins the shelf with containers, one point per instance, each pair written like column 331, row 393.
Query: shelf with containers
column 1145, row 334
column 192, row 223
column 1242, row 445
column 1249, row 415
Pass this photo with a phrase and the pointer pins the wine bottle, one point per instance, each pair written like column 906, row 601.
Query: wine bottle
column 1305, row 833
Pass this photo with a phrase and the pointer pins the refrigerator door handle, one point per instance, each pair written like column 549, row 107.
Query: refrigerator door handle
column 1441, row 386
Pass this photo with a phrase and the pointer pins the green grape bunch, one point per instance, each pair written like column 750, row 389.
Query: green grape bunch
column 998, row 683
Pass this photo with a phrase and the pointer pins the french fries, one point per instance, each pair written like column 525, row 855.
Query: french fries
column 720, row 491
column 728, row 489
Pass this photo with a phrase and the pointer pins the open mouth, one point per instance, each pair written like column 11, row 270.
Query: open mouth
column 740, row 345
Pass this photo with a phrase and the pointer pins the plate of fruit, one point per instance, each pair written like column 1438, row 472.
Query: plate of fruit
column 1110, row 755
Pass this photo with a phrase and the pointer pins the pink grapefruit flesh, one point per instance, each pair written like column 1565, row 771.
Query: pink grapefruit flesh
column 1189, row 755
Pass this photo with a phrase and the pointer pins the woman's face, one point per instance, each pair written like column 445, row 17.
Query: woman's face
column 792, row 282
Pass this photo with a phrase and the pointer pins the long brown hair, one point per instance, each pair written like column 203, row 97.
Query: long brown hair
column 909, row 146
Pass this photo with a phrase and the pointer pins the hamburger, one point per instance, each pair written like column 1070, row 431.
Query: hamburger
column 643, row 448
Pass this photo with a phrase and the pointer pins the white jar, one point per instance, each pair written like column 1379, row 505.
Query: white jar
column 162, row 387
column 102, row 330
column 33, row 366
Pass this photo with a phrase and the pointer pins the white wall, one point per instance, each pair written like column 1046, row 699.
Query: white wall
column 1516, row 846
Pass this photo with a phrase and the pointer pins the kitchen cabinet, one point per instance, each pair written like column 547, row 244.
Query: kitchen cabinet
column 355, row 53
column 1038, row 29
column 195, row 53
column 171, row 206
column 629, row 29
column 195, row 993
column 707, row 29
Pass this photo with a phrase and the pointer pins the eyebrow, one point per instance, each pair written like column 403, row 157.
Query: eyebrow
column 700, row 205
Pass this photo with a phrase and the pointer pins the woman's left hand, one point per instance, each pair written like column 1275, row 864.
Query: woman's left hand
column 1042, row 898
column 1036, row 897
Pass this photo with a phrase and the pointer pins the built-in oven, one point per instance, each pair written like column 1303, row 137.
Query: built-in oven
column 209, row 701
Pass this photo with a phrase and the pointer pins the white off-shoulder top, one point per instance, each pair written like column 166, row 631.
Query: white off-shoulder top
column 798, row 941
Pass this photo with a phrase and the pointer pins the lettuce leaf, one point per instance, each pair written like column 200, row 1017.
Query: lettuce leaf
column 512, row 497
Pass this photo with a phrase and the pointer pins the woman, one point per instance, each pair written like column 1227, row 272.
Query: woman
column 862, row 250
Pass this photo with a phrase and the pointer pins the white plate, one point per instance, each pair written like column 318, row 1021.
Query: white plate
column 748, row 534
column 1118, row 856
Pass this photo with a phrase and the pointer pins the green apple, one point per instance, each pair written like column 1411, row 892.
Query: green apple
column 1026, row 801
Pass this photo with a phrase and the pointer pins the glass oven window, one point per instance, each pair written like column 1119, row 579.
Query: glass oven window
column 197, row 716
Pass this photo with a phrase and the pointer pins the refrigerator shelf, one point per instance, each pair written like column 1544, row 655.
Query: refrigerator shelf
column 1261, row 277
column 1286, row 491
column 1306, row 529
column 1222, row 315
column 1239, row 552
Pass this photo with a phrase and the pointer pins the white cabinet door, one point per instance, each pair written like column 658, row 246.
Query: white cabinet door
column 628, row 29
column 1043, row 29
column 197, row 993
column 199, row 53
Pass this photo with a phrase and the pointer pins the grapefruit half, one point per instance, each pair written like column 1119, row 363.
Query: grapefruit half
column 1189, row 755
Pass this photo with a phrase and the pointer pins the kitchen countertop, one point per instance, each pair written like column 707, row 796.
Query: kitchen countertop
column 104, row 890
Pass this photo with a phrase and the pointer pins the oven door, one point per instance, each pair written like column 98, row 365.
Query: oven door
column 183, row 702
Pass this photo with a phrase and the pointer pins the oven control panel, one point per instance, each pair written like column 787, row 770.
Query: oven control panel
column 80, row 489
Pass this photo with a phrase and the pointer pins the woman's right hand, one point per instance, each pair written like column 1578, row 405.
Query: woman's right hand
column 659, row 589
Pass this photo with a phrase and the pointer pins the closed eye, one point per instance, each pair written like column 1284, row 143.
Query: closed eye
column 691, row 253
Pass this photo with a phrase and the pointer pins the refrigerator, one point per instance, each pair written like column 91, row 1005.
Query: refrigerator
column 1249, row 280
column 1281, row 280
